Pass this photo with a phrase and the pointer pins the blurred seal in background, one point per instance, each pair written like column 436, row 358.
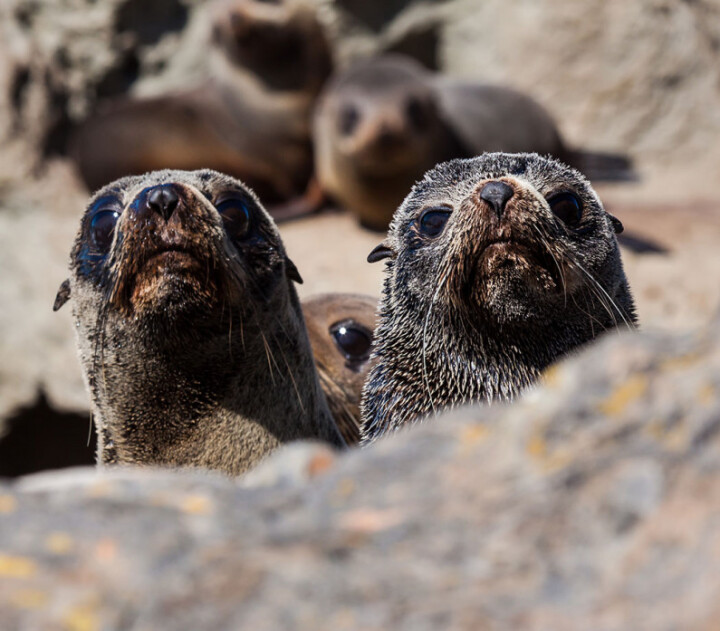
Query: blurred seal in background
column 497, row 266
column 341, row 328
column 250, row 118
column 190, row 332
column 383, row 122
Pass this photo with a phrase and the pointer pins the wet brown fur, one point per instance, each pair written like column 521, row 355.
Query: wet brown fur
column 192, row 342
column 478, row 312
column 341, row 377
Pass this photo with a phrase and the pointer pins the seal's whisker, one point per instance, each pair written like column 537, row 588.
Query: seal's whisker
column 605, row 301
column 269, row 355
column 441, row 282
column 605, row 293
column 550, row 252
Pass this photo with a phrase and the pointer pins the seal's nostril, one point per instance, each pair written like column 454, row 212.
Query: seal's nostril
column 497, row 194
column 163, row 200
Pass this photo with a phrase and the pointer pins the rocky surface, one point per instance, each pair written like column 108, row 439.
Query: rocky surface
column 62, row 57
column 592, row 504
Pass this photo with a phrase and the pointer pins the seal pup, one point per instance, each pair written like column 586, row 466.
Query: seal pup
column 496, row 267
column 250, row 118
column 379, row 125
column 190, row 332
column 341, row 328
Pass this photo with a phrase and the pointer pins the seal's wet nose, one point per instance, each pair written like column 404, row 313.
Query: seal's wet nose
column 162, row 200
column 497, row 194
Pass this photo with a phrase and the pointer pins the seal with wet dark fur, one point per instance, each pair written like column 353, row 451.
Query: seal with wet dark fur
column 496, row 267
column 250, row 118
column 190, row 332
column 380, row 124
column 341, row 328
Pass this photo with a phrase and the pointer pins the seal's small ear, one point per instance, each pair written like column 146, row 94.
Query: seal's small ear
column 617, row 224
column 382, row 251
column 292, row 272
column 63, row 295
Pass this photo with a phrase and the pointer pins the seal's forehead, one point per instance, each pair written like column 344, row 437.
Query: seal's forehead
column 206, row 181
column 382, row 74
column 456, row 179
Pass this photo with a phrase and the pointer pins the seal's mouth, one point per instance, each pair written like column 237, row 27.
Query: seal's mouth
column 519, row 258
column 167, row 268
column 171, row 255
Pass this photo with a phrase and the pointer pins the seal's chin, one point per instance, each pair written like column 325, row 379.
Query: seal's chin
column 173, row 279
column 510, row 279
column 506, row 260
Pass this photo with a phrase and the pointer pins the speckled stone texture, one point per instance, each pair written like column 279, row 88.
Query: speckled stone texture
column 592, row 504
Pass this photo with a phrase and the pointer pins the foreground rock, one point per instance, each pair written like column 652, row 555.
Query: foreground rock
column 593, row 504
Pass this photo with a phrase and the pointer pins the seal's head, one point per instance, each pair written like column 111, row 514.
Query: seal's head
column 497, row 266
column 186, row 314
column 377, row 128
column 280, row 41
column 169, row 247
column 384, row 114
column 341, row 328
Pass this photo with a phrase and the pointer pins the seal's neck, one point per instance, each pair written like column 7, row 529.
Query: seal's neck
column 220, row 399
column 417, row 375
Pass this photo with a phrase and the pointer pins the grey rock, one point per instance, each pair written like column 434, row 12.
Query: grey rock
column 593, row 503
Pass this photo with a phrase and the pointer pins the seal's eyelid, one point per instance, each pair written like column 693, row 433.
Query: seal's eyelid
column 109, row 202
column 233, row 194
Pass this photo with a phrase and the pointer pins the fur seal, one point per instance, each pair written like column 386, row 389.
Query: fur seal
column 379, row 125
column 496, row 267
column 190, row 332
column 341, row 328
column 250, row 118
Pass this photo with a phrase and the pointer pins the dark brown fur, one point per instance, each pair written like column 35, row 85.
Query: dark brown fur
column 382, row 123
column 342, row 364
column 477, row 312
column 249, row 119
column 191, row 337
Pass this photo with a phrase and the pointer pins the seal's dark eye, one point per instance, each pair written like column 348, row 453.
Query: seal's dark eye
column 567, row 207
column 417, row 114
column 102, row 228
column 432, row 222
column 353, row 339
column 236, row 217
column 349, row 119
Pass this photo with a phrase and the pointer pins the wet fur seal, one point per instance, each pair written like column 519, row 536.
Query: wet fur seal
column 249, row 119
column 341, row 329
column 383, row 122
column 496, row 266
column 190, row 331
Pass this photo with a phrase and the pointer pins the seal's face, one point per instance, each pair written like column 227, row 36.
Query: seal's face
column 174, row 244
column 507, row 238
column 385, row 118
